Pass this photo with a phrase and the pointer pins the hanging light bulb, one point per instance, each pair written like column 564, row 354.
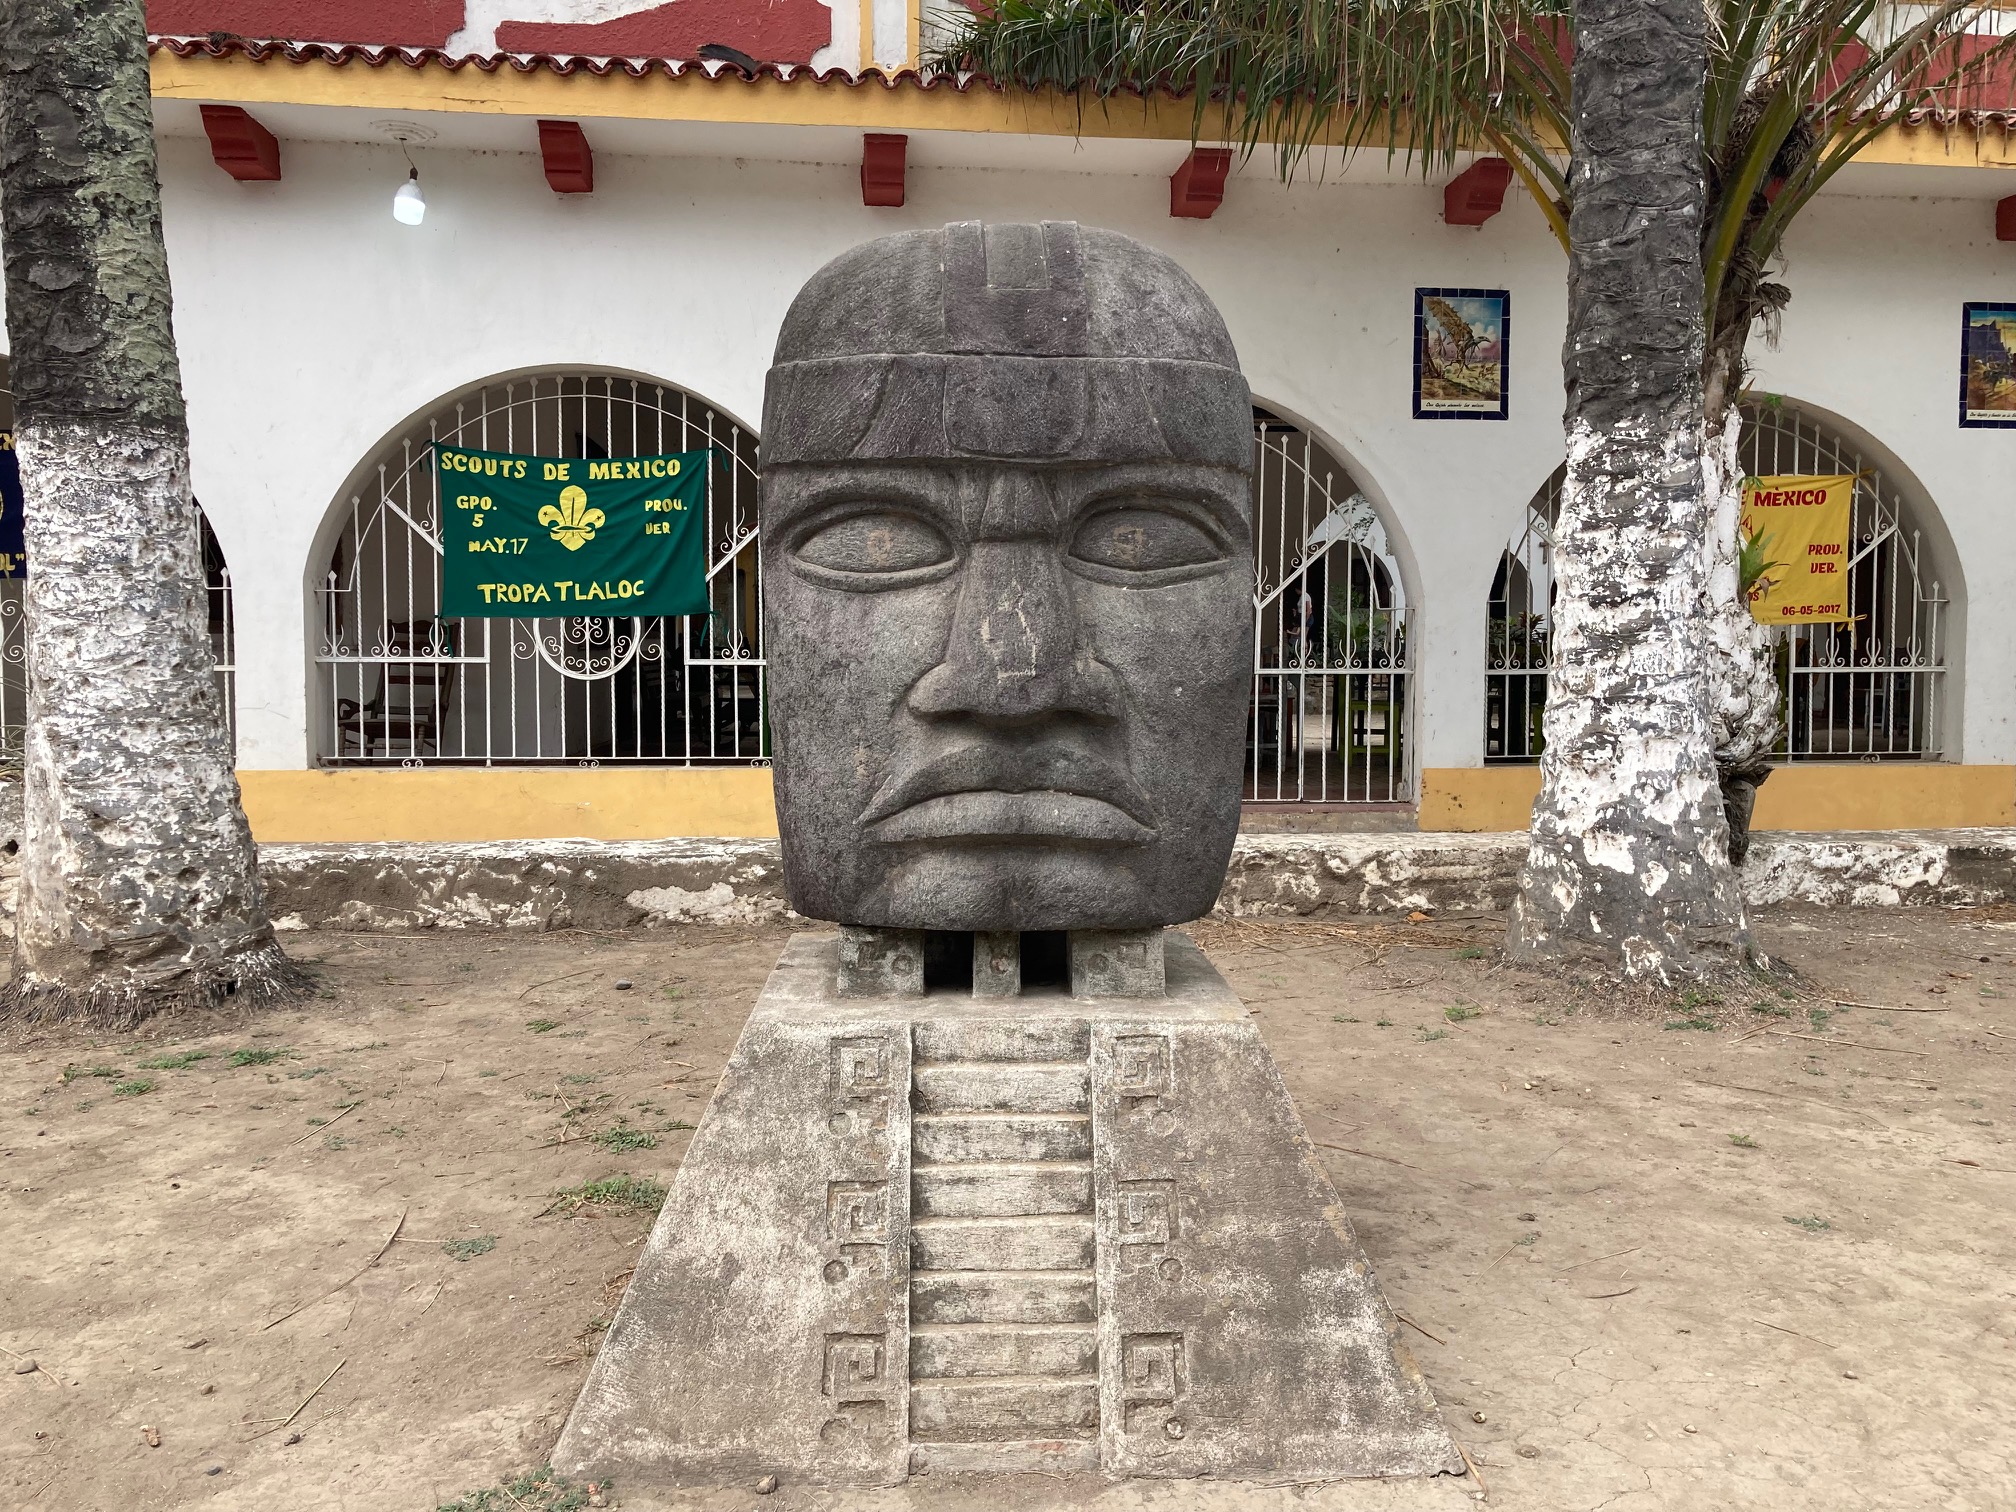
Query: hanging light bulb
column 409, row 205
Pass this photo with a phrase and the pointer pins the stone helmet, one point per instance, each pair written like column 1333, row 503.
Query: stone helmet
column 1112, row 352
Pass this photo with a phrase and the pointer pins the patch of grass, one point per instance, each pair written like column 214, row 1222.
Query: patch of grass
column 1472, row 953
column 1813, row 1225
column 335, row 1142
column 1547, row 1021
column 1528, row 1240
column 468, row 1249
column 1744, row 1142
column 1458, row 1013
column 673, row 1125
column 1770, row 1009
column 619, row 1139
column 1690, row 1023
column 1382, row 1023
column 253, row 1056
column 137, row 1087
column 180, row 1061
column 536, row 1491
column 489, row 1073
column 374, row 1045
column 71, row 1073
column 1338, row 1018
column 635, row 1193
column 582, row 1078
column 309, row 1075
column 1818, row 1017
column 1699, row 997
column 542, row 1026
column 1429, row 1036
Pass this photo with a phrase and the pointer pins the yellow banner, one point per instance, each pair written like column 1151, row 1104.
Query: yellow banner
column 1799, row 526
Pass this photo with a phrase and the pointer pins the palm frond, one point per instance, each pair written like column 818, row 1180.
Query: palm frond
column 1423, row 77
column 1794, row 90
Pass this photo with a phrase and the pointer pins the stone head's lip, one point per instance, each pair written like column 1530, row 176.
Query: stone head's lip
column 1050, row 768
column 994, row 817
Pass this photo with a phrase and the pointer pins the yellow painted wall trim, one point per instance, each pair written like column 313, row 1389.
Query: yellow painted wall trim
column 649, row 803
column 903, row 104
column 509, row 803
column 1478, row 800
column 1820, row 796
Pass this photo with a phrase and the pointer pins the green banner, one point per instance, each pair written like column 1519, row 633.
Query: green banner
column 531, row 537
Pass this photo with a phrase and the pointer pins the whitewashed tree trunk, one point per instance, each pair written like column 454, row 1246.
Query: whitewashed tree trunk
column 1628, row 853
column 139, row 883
column 1743, row 695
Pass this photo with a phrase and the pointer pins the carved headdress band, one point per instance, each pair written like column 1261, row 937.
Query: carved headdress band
column 1039, row 349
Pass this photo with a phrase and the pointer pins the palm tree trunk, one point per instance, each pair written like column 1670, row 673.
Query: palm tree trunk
column 1744, row 712
column 139, row 883
column 1628, row 853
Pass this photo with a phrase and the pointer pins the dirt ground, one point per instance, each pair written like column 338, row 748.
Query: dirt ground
column 1744, row 1254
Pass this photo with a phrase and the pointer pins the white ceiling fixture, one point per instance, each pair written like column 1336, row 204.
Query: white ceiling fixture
column 409, row 205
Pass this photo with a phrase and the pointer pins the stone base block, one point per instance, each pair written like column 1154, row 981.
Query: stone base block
column 949, row 1233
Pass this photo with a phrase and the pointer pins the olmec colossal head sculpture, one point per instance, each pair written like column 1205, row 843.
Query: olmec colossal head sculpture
column 1007, row 554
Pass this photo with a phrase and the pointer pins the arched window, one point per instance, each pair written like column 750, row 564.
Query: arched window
column 1332, row 672
column 1869, row 689
column 1518, row 631
column 401, row 684
column 13, row 624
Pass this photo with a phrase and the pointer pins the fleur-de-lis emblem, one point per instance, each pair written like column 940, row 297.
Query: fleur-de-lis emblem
column 574, row 523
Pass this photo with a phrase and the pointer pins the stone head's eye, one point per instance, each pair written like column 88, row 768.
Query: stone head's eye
column 875, row 541
column 1143, row 540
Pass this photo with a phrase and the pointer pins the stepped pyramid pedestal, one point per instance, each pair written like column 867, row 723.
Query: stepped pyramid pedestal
column 966, row 1232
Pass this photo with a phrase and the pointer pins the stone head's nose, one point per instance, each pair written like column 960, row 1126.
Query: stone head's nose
column 1016, row 648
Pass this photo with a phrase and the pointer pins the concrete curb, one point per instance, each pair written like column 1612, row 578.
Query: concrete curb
column 556, row 884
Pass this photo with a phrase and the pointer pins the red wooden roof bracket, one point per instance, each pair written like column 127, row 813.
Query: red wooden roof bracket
column 883, row 158
column 570, row 162
column 241, row 146
column 1477, row 193
column 1197, row 187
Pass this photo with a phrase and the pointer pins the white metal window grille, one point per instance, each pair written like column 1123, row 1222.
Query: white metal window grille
column 1871, row 689
column 1518, row 627
column 402, row 685
column 222, row 626
column 1332, row 672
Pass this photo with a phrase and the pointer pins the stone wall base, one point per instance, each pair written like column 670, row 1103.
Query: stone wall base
column 557, row 884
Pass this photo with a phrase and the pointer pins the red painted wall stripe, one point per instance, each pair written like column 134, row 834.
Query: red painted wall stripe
column 770, row 31
column 387, row 23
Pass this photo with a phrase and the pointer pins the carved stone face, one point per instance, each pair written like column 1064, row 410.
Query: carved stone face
column 1007, row 558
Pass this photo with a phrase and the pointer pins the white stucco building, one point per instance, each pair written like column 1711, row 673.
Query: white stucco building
column 1402, row 592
